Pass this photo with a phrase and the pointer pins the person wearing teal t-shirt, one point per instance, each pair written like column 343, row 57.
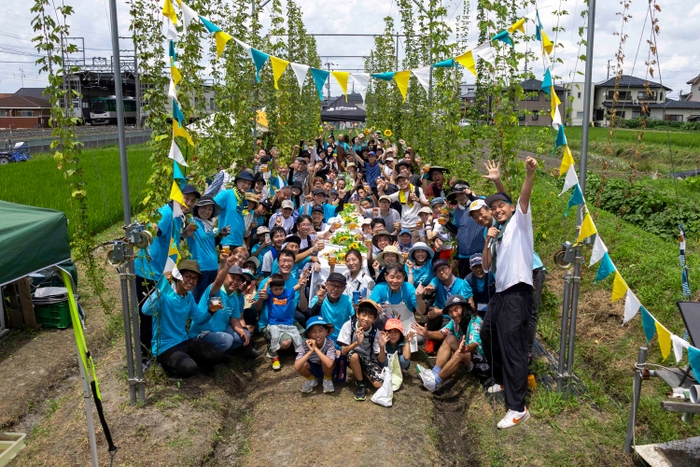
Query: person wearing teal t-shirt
column 234, row 207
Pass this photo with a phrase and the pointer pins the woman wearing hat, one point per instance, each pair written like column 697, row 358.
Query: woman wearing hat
column 234, row 208
column 171, row 308
column 418, row 267
column 202, row 241
column 436, row 175
column 389, row 255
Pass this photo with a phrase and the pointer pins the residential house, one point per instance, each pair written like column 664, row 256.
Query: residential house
column 19, row 111
column 632, row 95
column 535, row 109
column 694, row 94
column 574, row 102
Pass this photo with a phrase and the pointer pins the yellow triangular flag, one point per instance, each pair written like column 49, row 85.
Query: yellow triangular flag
column 619, row 289
column 342, row 78
column 517, row 26
column 555, row 101
column 173, row 249
column 401, row 78
column 467, row 61
column 221, row 39
column 175, row 73
column 278, row 67
column 546, row 43
column 664, row 336
column 180, row 131
column 176, row 194
column 179, row 2
column 169, row 11
column 587, row 228
column 566, row 161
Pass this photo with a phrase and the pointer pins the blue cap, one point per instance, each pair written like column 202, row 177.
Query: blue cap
column 437, row 200
column 372, row 153
column 405, row 231
column 475, row 260
column 246, row 175
column 314, row 320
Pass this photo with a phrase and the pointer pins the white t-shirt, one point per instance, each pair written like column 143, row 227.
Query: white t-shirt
column 345, row 337
column 514, row 251
column 409, row 215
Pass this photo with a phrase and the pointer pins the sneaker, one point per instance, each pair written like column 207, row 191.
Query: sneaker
column 513, row 418
column 426, row 377
column 250, row 352
column 496, row 388
column 276, row 363
column 309, row 385
column 430, row 346
column 328, row 386
column 360, row 391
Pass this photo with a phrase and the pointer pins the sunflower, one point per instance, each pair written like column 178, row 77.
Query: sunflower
column 387, row 133
column 366, row 131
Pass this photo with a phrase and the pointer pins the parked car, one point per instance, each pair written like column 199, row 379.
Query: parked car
column 464, row 122
column 19, row 153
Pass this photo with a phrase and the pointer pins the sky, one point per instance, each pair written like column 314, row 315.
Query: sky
column 678, row 44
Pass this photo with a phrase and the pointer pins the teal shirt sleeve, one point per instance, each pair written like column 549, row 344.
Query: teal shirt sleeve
column 263, row 320
column 465, row 290
column 474, row 333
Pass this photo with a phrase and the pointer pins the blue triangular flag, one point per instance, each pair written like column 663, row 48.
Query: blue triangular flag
column 178, row 176
column 386, row 76
column 576, row 199
column 259, row 58
column 172, row 52
column 561, row 138
column 211, row 27
column 177, row 114
column 605, row 269
column 503, row 36
column 547, row 82
column 649, row 324
column 450, row 62
column 320, row 77
column 538, row 26
column 694, row 359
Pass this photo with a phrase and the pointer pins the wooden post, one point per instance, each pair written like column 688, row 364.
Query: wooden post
column 25, row 300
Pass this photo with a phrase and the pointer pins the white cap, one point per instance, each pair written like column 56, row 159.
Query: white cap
column 287, row 204
column 476, row 205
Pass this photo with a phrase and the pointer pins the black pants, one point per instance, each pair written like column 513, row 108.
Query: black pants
column 464, row 267
column 538, row 278
column 187, row 357
column 144, row 287
column 504, row 340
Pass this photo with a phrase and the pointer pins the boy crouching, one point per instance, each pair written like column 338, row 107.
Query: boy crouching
column 316, row 357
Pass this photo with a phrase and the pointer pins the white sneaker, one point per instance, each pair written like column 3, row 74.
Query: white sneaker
column 494, row 389
column 328, row 386
column 426, row 376
column 513, row 418
column 309, row 385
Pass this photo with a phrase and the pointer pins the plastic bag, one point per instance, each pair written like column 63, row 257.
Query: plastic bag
column 384, row 394
column 396, row 374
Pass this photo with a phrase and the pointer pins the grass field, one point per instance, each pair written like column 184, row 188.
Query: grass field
column 39, row 183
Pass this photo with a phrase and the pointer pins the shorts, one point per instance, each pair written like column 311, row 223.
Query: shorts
column 370, row 367
column 284, row 336
column 316, row 369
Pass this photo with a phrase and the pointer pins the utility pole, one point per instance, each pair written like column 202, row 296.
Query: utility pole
column 430, row 75
column 608, row 69
column 137, row 84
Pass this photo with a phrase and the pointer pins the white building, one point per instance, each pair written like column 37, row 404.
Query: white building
column 574, row 107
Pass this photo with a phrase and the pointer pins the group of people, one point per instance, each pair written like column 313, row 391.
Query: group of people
column 445, row 269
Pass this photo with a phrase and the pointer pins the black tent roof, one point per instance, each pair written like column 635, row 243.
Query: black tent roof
column 341, row 111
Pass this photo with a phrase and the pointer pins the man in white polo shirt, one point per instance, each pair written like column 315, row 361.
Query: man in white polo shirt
column 508, row 252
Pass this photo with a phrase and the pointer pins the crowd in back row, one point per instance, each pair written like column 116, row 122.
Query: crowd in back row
column 462, row 264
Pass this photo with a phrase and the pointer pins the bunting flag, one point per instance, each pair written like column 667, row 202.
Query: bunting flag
column 556, row 120
column 178, row 176
column 485, row 52
column 177, row 113
column 547, row 83
column 546, row 43
column 180, row 131
column 664, row 337
column 678, row 345
column 423, row 77
column 599, row 250
column 172, row 52
column 320, row 77
column 259, row 58
column 571, row 180
column 566, row 161
column 517, row 26
column 450, row 62
column 587, row 228
column 175, row 73
column 176, row 194
column 467, row 61
column 619, row 288
column 386, row 76
column 211, row 27
column 169, row 29
column 576, row 199
column 169, row 11
column 694, row 359
column 504, row 37
column 561, row 139
column 685, row 283
column 221, row 39
column 246, row 48
column 188, row 15
column 342, row 78
column 300, row 72
column 555, row 101
column 278, row 67
column 171, row 90
column 401, row 78
column 649, row 324
column 605, row 269
column 173, row 250
column 176, row 154
column 361, row 82
column 632, row 306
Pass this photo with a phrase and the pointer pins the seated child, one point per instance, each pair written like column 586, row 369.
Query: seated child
column 358, row 338
column 405, row 243
column 316, row 357
column 392, row 340
column 483, row 284
column 367, row 229
column 461, row 336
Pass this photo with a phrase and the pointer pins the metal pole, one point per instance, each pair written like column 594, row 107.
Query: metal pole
column 576, row 282
column 636, row 391
column 134, row 302
column 561, row 370
column 126, row 311
column 87, row 396
column 137, row 84
column 587, row 101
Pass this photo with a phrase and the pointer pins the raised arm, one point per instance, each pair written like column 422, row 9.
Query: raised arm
column 526, row 190
column 494, row 175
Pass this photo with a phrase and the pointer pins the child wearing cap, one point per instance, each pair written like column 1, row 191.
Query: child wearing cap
column 405, row 243
column 483, row 284
column 419, row 268
column 332, row 304
column 392, row 341
column 316, row 357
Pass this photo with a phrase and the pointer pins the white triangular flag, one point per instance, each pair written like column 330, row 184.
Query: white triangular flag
column 169, row 30
column 485, row 52
column 177, row 210
column 678, row 346
column 571, row 179
column 172, row 268
column 361, row 82
column 599, row 250
column 423, row 76
column 246, row 48
column 171, row 90
column 300, row 72
column 188, row 15
column 556, row 121
column 632, row 306
column 176, row 154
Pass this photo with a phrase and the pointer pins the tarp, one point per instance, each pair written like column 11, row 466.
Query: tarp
column 31, row 239
column 341, row 111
